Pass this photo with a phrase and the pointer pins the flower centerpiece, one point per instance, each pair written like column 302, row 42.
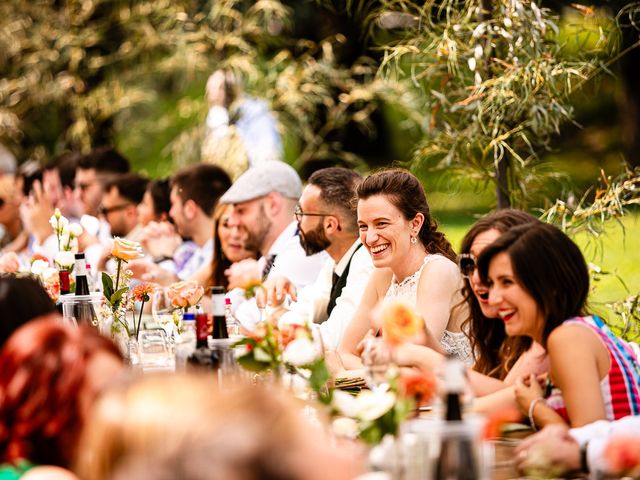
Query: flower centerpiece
column 48, row 276
column 67, row 240
column 185, row 294
column 246, row 275
column 371, row 415
column 116, row 288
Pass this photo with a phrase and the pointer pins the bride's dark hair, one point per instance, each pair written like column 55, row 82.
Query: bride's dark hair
column 406, row 193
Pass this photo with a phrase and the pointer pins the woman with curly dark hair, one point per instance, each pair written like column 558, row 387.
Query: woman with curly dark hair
column 499, row 359
column 414, row 261
column 50, row 374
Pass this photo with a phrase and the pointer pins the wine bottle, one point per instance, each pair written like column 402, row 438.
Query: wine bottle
column 219, row 320
column 83, row 310
column 456, row 460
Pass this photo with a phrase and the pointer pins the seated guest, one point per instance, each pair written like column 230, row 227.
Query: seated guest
column 194, row 195
column 13, row 238
column 58, row 181
column 264, row 199
column 228, row 248
column 414, row 261
column 499, row 359
column 181, row 427
column 119, row 205
column 50, row 374
column 21, row 299
column 155, row 203
column 538, row 281
column 327, row 221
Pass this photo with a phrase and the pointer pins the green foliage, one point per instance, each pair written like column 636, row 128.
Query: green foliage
column 495, row 86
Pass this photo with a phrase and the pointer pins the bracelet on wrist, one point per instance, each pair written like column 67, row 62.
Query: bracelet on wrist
column 162, row 259
column 532, row 406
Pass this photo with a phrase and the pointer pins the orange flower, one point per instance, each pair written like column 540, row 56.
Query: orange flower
column 497, row 420
column 419, row 385
column 185, row 294
column 126, row 249
column 141, row 292
column 623, row 455
column 400, row 323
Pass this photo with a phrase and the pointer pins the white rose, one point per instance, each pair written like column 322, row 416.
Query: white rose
column 291, row 318
column 73, row 245
column 39, row 266
column 75, row 229
column 65, row 259
column 300, row 352
column 345, row 403
column 372, row 405
column 53, row 221
column 50, row 275
column 345, row 427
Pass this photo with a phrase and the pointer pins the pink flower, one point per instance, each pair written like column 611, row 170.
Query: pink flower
column 185, row 294
column 245, row 274
column 142, row 292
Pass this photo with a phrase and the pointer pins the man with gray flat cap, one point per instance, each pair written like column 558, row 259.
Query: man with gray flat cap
column 264, row 199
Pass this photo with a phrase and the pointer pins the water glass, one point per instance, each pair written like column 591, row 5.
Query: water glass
column 376, row 358
column 155, row 352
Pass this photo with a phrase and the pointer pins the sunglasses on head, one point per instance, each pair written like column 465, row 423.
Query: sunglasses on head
column 467, row 264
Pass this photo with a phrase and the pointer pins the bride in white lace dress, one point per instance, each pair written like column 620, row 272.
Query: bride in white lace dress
column 413, row 261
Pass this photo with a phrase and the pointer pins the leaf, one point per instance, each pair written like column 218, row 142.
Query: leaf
column 319, row 375
column 117, row 296
column 107, row 285
column 248, row 362
column 261, row 355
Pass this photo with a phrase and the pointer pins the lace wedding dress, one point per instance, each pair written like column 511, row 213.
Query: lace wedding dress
column 454, row 343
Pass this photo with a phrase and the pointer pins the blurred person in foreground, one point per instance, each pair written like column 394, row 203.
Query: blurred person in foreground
column 170, row 427
column 22, row 299
column 50, row 374
column 264, row 199
column 327, row 221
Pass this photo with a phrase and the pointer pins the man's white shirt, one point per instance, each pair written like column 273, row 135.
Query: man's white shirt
column 313, row 299
column 291, row 262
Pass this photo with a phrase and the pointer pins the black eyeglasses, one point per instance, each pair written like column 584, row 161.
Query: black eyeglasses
column 299, row 214
column 115, row 208
column 467, row 264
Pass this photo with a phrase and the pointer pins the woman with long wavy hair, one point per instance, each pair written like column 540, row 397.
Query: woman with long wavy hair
column 414, row 261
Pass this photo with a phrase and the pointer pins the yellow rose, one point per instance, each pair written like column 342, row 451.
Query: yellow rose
column 400, row 323
column 126, row 249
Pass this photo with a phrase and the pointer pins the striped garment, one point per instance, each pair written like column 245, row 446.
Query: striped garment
column 621, row 386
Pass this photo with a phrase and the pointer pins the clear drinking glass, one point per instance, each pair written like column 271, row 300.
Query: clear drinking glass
column 155, row 353
column 376, row 358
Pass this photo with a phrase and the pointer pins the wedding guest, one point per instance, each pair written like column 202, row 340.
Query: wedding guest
column 228, row 248
column 58, row 180
column 578, row 450
column 264, row 199
column 538, row 281
column 499, row 359
column 241, row 130
column 119, row 204
column 195, row 192
column 92, row 172
column 413, row 259
column 169, row 427
column 327, row 222
column 22, row 299
column 50, row 373
column 13, row 237
column 155, row 204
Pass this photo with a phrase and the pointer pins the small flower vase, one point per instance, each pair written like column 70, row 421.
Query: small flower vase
column 133, row 351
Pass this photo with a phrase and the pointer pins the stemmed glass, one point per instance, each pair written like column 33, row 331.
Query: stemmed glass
column 162, row 312
column 376, row 358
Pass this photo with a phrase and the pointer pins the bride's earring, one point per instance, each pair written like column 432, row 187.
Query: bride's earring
column 413, row 240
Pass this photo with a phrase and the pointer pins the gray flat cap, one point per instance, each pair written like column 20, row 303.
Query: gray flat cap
column 261, row 180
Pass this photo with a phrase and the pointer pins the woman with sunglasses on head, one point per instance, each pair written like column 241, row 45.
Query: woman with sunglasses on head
column 538, row 282
column 499, row 359
column 413, row 261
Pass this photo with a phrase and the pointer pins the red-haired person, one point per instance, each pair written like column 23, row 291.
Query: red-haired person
column 50, row 373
